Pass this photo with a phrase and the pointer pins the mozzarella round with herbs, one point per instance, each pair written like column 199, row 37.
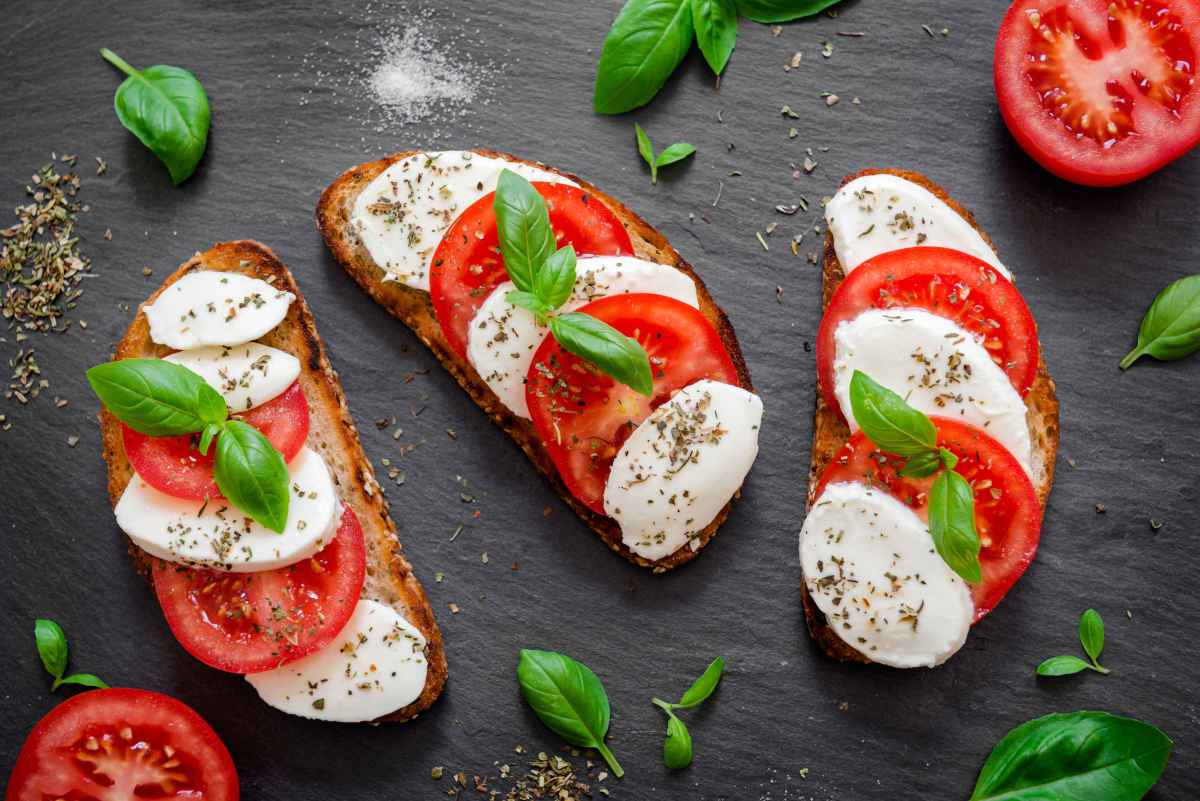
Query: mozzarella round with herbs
column 880, row 213
column 214, row 308
column 871, row 567
column 681, row 466
column 938, row 368
column 502, row 338
column 246, row 375
column 375, row 666
column 216, row 535
column 401, row 215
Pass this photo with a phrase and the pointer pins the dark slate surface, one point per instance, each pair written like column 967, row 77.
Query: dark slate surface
column 287, row 120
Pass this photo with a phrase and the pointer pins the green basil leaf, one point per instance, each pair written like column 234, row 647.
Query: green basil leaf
column 1171, row 328
column 677, row 748
column 952, row 524
column 1083, row 756
column 1062, row 666
column 1091, row 633
column 51, row 646
column 704, row 686
column 647, row 41
column 922, row 465
column 948, row 458
column 568, row 697
column 85, row 679
column 156, row 397
column 889, row 422
column 207, row 436
column 782, row 10
column 604, row 346
column 526, row 238
column 530, row 301
column 673, row 153
column 716, row 30
column 647, row 150
column 555, row 281
column 252, row 475
column 166, row 108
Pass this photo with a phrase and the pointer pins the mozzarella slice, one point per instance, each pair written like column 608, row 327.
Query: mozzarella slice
column 502, row 338
column 214, row 534
column 870, row 565
column 246, row 375
column 401, row 215
column 681, row 466
column 880, row 213
column 375, row 666
column 214, row 308
column 937, row 367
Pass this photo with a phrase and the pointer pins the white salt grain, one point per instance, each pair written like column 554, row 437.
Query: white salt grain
column 413, row 79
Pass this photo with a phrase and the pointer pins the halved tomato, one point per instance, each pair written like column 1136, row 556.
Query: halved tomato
column 1100, row 92
column 250, row 622
column 948, row 283
column 122, row 745
column 1008, row 516
column 467, row 264
column 173, row 464
column 583, row 416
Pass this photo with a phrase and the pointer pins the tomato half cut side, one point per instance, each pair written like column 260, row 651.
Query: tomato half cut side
column 121, row 744
column 1008, row 515
column 945, row 282
column 250, row 622
column 583, row 416
column 1100, row 92
column 467, row 264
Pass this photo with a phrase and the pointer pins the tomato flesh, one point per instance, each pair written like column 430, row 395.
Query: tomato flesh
column 467, row 264
column 122, row 745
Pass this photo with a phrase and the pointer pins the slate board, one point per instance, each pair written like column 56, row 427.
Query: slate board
column 286, row 123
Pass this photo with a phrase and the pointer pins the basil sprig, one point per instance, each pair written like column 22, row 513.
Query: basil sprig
column 670, row 154
column 163, row 399
column 1091, row 637
column 677, row 747
column 1171, row 328
column 52, row 649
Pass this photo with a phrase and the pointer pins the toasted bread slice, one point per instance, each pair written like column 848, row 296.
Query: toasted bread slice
column 830, row 432
column 390, row 579
column 415, row 308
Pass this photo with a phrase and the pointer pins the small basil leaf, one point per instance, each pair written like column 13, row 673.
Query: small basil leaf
column 647, row 41
column 677, row 748
column 607, row 348
column 781, row 10
column 252, row 475
column 889, row 422
column 207, row 436
column 704, row 686
column 716, row 30
column 673, row 153
column 948, row 458
column 922, row 465
column 647, row 150
column 1091, row 633
column 156, row 397
column 1062, row 666
column 529, row 301
column 51, row 646
column 85, row 679
column 554, row 283
column 523, row 225
column 952, row 524
column 1171, row 328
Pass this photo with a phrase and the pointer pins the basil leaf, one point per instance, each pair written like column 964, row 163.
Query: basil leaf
column 568, row 697
column 1171, row 328
column 673, row 153
column 530, row 301
column 922, row 465
column 716, row 30
column 1091, row 634
column 781, row 10
column 647, row 151
column 889, row 422
column 51, row 646
column 207, row 436
column 252, row 475
column 1062, row 666
column 1083, row 756
column 677, row 748
column 704, row 686
column 952, row 524
column 555, row 281
column 523, row 224
column 85, row 679
column 647, row 41
column 948, row 458
column 156, row 397
column 604, row 346
column 166, row 108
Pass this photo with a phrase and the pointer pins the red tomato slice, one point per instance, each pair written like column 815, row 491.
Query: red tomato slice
column 122, row 745
column 948, row 283
column 1008, row 516
column 467, row 265
column 1100, row 92
column 583, row 416
column 250, row 622
column 174, row 466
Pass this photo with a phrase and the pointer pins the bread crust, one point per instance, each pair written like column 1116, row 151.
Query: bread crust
column 332, row 433
column 415, row 309
column 830, row 432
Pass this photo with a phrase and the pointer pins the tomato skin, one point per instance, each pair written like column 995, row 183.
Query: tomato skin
column 48, row 766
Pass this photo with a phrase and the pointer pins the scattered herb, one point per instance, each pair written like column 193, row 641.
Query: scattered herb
column 1091, row 636
column 52, row 648
column 677, row 747
column 1171, row 328
column 670, row 154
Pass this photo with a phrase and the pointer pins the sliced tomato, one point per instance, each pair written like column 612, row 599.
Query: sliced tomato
column 947, row 283
column 1100, row 92
column 467, row 264
column 1008, row 516
column 583, row 416
column 122, row 745
column 174, row 465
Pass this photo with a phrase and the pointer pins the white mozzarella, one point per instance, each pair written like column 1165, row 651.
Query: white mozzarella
column 880, row 213
column 870, row 565
column 681, row 466
column 246, row 375
column 375, row 666
column 937, row 367
column 502, row 338
column 401, row 215
column 214, row 308
column 216, row 535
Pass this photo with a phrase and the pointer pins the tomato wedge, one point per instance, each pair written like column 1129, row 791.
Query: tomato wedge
column 174, row 466
column 250, row 622
column 1008, row 516
column 583, row 416
column 122, row 745
column 467, row 264
column 1100, row 92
